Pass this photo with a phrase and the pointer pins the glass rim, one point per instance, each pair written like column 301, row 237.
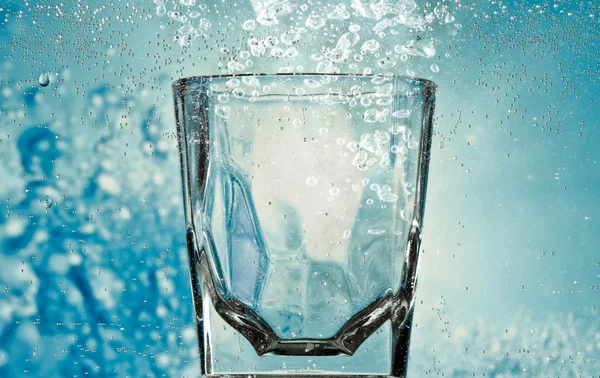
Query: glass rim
column 179, row 83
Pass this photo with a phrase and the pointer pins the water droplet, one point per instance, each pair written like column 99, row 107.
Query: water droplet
column 435, row 68
column 48, row 202
column 44, row 79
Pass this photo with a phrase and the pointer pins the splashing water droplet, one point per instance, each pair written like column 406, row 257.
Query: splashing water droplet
column 44, row 79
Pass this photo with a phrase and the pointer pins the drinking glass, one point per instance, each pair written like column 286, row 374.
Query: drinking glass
column 304, row 198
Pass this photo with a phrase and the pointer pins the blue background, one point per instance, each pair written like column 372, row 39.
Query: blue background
column 93, row 270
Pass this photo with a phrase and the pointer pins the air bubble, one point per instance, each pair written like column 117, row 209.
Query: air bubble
column 48, row 202
column 311, row 181
column 348, row 40
column 223, row 111
column 249, row 25
column 315, row 22
column 370, row 45
column 403, row 113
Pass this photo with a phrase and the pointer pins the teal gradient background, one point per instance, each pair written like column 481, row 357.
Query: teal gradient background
column 93, row 269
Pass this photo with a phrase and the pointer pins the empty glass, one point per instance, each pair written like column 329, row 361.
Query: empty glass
column 304, row 198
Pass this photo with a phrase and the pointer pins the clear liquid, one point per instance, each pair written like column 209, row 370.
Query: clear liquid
column 305, row 256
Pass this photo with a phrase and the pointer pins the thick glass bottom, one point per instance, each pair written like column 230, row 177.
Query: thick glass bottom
column 225, row 352
column 225, row 349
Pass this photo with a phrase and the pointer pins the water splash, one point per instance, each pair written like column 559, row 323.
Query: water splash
column 362, row 35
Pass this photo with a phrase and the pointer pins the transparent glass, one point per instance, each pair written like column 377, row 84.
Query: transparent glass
column 304, row 198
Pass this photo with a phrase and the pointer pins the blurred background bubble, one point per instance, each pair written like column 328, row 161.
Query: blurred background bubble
column 93, row 268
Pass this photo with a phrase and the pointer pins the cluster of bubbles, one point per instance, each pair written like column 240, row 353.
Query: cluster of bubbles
column 390, row 133
column 357, row 36
column 519, row 345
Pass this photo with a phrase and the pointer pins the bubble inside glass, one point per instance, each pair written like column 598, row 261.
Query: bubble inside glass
column 304, row 199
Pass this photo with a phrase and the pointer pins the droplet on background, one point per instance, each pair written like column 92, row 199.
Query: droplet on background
column 44, row 79
column 48, row 202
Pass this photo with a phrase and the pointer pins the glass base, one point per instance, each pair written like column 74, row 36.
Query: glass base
column 227, row 353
